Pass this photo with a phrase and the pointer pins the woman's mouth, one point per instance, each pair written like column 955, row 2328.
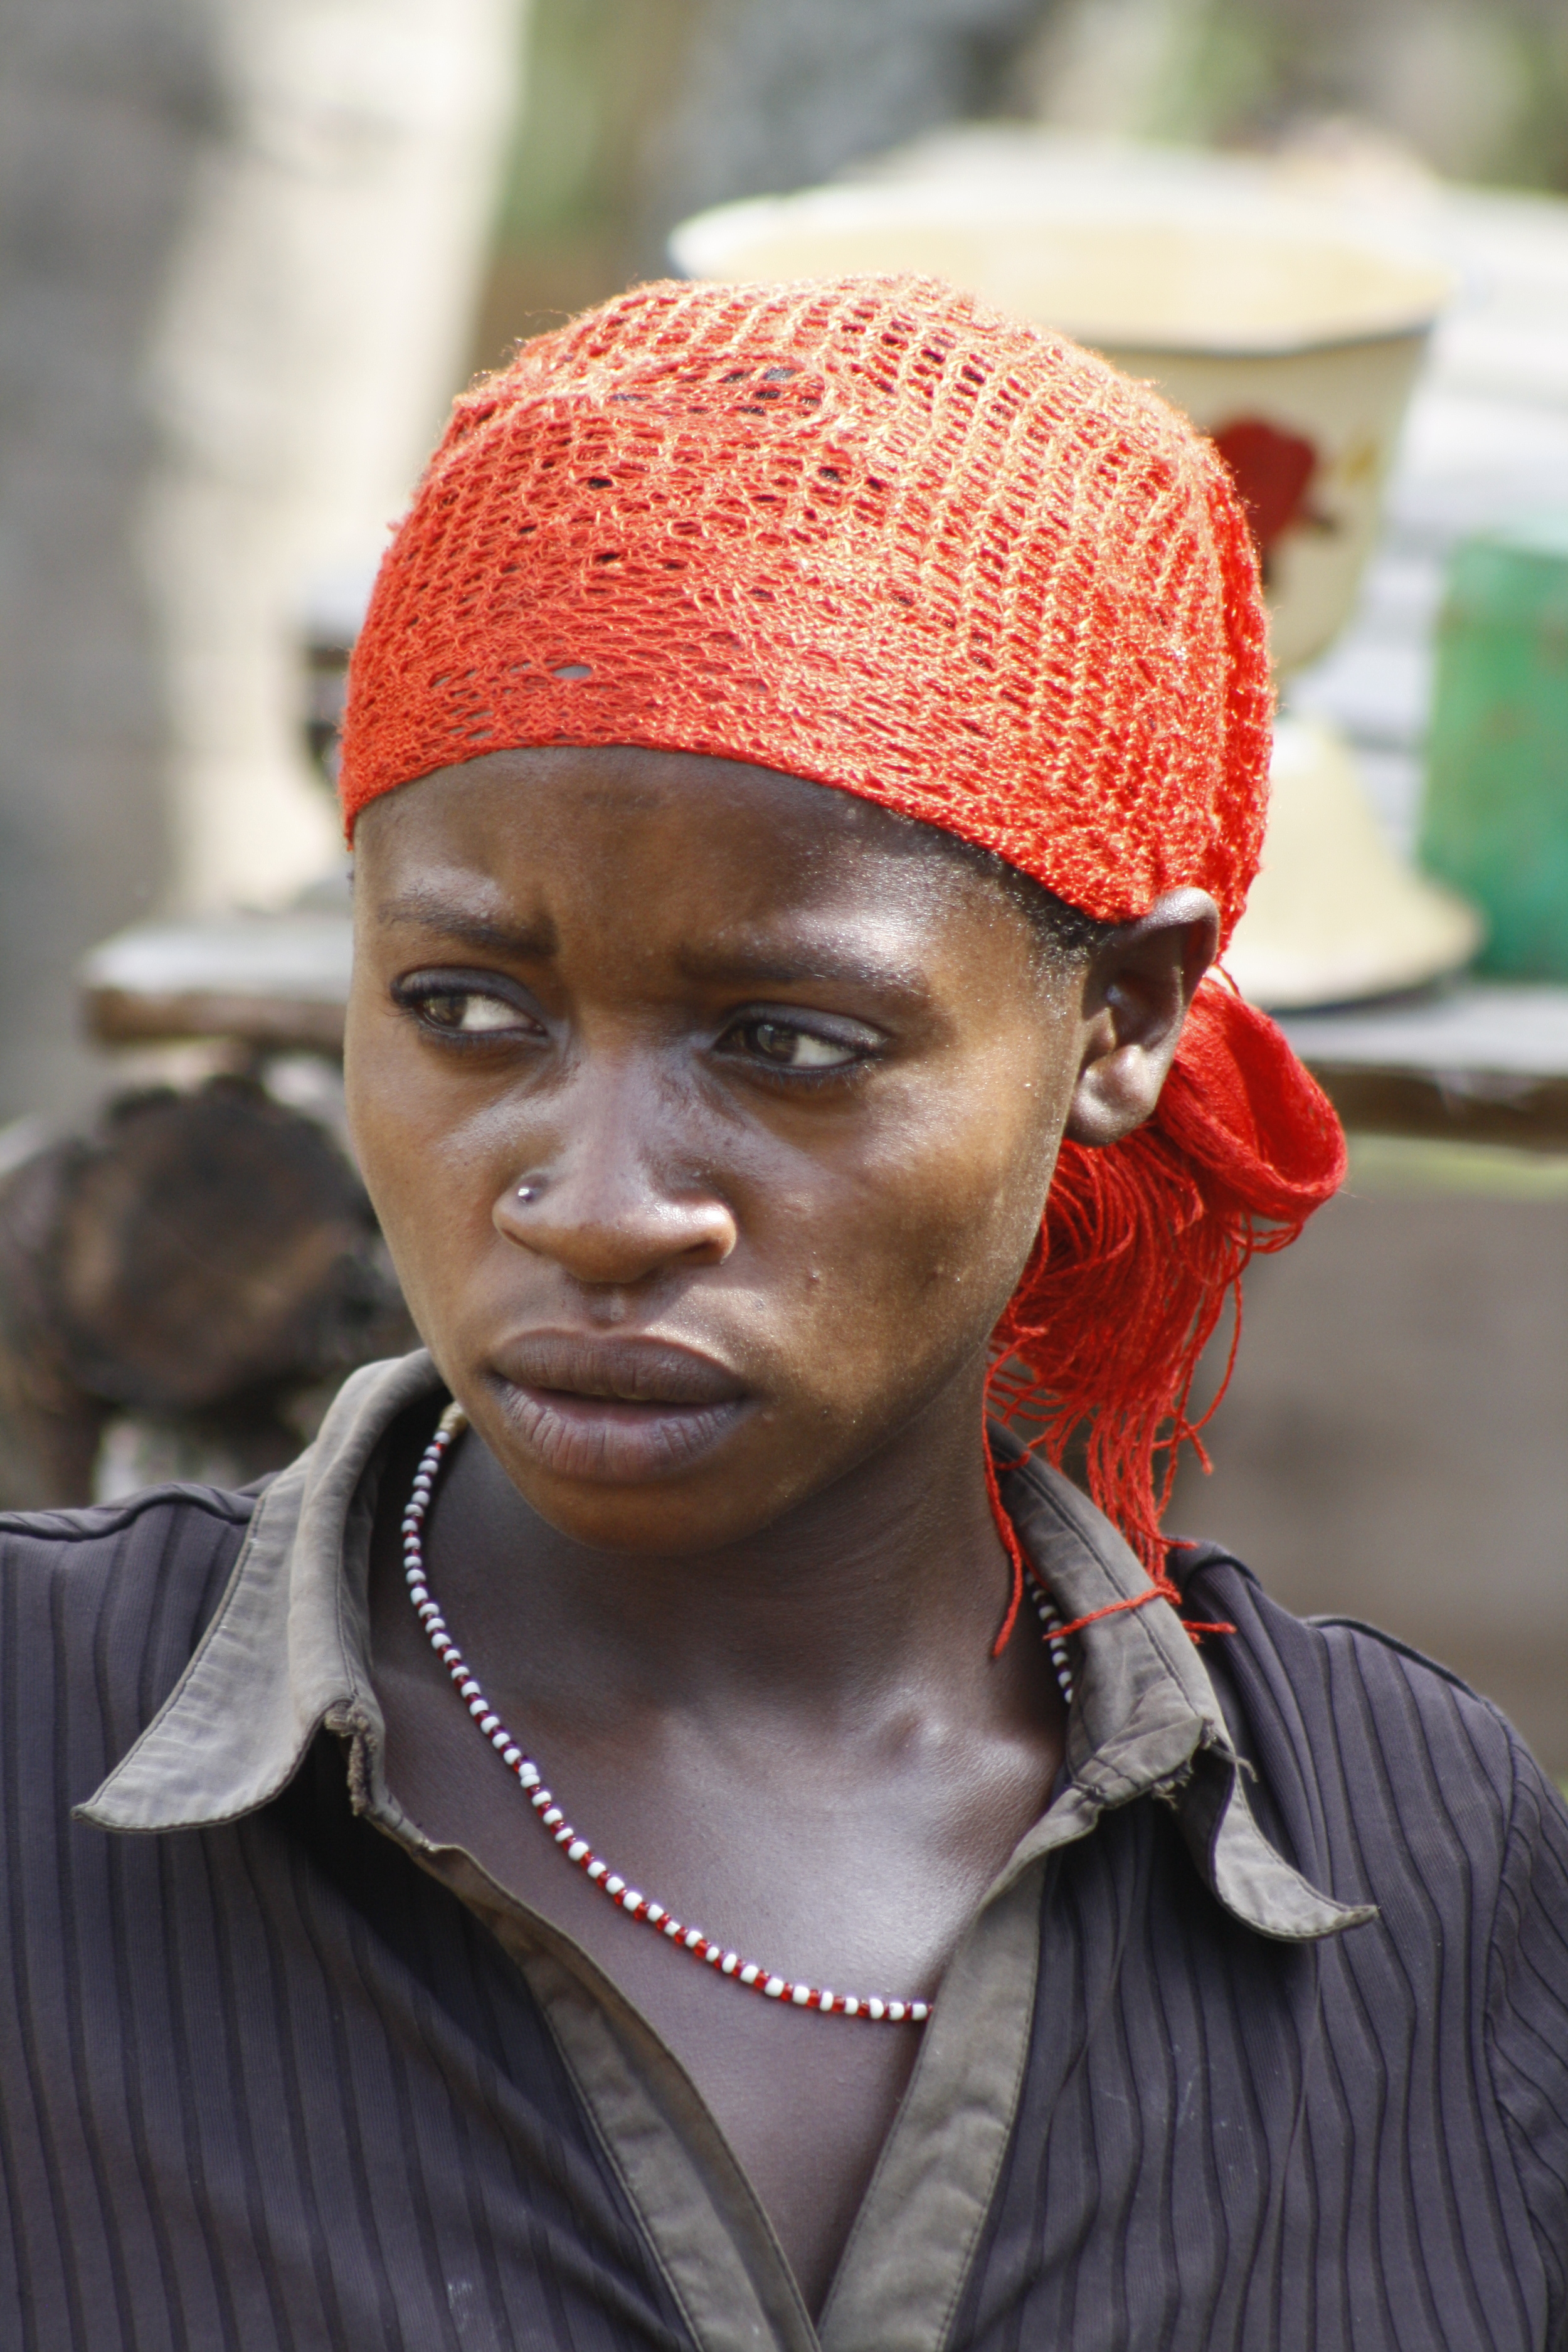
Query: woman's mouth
column 617, row 1412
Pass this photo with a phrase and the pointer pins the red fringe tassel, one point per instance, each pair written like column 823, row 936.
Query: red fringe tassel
column 1142, row 1243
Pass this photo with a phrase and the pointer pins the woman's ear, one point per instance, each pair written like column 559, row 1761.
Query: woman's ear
column 1137, row 990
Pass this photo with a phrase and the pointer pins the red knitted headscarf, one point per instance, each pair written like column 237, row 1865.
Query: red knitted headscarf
column 870, row 533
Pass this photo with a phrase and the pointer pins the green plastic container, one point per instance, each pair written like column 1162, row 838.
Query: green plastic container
column 1496, row 818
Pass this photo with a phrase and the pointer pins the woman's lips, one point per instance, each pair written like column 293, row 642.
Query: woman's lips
column 617, row 1412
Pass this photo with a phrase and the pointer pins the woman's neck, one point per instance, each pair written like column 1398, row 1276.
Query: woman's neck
column 893, row 1581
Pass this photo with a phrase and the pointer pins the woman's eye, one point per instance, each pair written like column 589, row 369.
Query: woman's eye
column 797, row 1049
column 469, row 1014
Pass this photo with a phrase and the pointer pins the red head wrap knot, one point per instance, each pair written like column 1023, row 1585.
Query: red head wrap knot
column 1145, row 1241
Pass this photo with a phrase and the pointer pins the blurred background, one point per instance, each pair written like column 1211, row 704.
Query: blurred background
column 248, row 251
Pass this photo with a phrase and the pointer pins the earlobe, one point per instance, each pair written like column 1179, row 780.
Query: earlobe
column 1119, row 1086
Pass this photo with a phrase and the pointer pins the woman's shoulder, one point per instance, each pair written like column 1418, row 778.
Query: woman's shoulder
column 160, row 1528
column 1388, row 1775
column 1387, row 1770
column 1350, row 1707
column 101, row 1608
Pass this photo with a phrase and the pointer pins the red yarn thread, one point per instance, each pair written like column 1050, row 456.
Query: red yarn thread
column 1142, row 1242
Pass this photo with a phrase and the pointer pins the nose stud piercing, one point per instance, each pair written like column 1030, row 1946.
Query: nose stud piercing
column 528, row 1191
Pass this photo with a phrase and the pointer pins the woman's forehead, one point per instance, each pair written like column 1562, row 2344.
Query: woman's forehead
column 730, row 873
column 528, row 811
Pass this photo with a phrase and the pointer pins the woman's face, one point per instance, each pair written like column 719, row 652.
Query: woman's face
column 710, row 1117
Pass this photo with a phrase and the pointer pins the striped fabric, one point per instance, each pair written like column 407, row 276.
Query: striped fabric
column 270, row 2084
column 1360, row 2142
column 265, row 2087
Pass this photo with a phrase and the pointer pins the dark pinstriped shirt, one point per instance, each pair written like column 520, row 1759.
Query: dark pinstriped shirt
column 1260, row 2039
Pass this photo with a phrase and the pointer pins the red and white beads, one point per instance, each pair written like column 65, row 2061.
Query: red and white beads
column 1051, row 1634
column 768, row 1982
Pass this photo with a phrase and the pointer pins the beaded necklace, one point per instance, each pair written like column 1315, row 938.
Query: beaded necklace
column 576, row 1849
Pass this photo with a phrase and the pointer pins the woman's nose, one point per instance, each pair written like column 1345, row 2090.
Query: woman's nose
column 610, row 1206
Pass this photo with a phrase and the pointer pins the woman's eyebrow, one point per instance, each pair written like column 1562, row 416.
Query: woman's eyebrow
column 524, row 943
column 736, row 965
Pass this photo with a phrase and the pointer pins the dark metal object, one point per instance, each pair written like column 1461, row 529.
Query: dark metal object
column 205, row 1258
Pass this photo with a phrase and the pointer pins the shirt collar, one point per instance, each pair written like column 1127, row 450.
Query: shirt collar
column 286, row 1654
column 1145, row 1717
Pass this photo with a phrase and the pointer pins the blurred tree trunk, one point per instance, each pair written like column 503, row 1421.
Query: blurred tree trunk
column 240, row 245
column 101, row 111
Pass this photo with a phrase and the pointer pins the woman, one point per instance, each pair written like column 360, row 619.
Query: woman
column 658, row 1831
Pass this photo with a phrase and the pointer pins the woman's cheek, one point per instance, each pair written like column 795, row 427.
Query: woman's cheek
column 922, row 1264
